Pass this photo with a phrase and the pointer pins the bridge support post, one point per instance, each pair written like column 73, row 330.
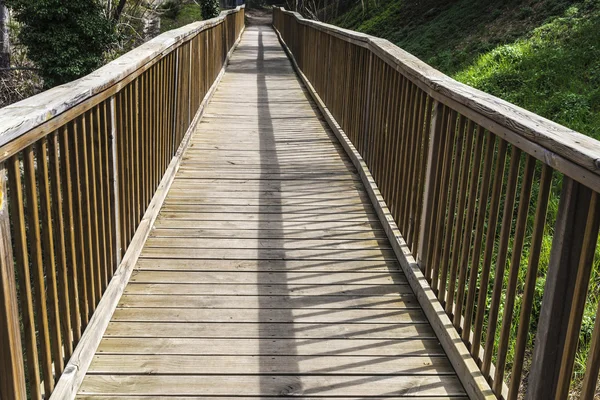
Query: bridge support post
column 565, row 292
column 12, row 372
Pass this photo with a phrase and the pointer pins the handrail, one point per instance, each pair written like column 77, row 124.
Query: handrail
column 79, row 167
column 468, row 179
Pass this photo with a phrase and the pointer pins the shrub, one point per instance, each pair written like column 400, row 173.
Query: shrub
column 64, row 39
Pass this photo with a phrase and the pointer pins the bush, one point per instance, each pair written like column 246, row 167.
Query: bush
column 210, row 8
column 65, row 39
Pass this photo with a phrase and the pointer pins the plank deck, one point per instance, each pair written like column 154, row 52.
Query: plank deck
column 267, row 273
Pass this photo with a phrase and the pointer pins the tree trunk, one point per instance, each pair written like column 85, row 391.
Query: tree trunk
column 118, row 10
column 4, row 38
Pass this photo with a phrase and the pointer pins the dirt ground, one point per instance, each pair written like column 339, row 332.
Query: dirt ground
column 258, row 17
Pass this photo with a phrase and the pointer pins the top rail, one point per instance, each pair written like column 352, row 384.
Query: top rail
column 80, row 166
column 471, row 181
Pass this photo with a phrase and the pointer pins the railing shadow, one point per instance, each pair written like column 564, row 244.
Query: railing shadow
column 271, row 204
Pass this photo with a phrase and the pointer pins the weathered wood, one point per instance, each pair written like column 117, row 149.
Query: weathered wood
column 12, row 378
column 76, row 369
column 468, row 372
column 228, row 386
column 559, row 291
column 278, row 364
column 201, row 277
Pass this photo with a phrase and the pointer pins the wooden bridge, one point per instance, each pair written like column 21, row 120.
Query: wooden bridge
column 290, row 211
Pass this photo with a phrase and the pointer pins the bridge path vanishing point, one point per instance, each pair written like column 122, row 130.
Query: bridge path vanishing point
column 267, row 272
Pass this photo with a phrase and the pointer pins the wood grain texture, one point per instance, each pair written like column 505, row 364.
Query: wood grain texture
column 267, row 272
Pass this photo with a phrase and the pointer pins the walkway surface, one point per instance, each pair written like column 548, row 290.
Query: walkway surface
column 267, row 273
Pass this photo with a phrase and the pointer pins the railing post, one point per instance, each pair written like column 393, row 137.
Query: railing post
column 115, row 179
column 565, row 291
column 366, row 109
column 12, row 372
column 428, row 189
column 175, row 102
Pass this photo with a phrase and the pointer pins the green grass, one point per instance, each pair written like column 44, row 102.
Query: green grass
column 186, row 14
column 542, row 55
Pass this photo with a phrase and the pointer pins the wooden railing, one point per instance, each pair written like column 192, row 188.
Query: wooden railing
column 470, row 180
column 79, row 165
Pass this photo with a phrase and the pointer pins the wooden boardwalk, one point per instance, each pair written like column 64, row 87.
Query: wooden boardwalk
column 267, row 273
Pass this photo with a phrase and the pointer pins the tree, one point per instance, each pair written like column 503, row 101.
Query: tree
column 4, row 38
column 65, row 39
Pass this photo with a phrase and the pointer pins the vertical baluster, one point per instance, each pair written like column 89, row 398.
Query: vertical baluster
column 419, row 194
column 484, row 190
column 116, row 199
column 48, row 256
column 532, row 274
column 61, row 251
column 433, row 156
column 449, row 130
column 37, row 264
column 78, row 297
column 460, row 211
column 92, row 274
column 505, row 231
column 98, row 133
column 12, row 379
column 17, row 204
column 459, row 156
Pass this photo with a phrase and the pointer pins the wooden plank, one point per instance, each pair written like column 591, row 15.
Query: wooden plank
column 298, row 315
column 267, row 265
column 268, row 225
column 244, row 365
column 266, row 278
column 224, row 385
column 267, row 234
column 271, row 347
column 320, row 295
column 267, row 254
column 120, row 397
column 276, row 243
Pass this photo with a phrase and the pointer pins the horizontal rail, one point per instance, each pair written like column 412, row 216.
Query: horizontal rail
column 79, row 166
column 490, row 199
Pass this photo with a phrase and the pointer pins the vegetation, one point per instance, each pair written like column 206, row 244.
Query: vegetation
column 210, row 8
column 543, row 55
column 65, row 40
column 175, row 14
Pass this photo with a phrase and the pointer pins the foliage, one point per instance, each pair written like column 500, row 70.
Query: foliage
column 65, row 39
column 174, row 14
column 210, row 8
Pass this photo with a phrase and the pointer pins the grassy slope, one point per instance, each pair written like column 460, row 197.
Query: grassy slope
column 543, row 55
